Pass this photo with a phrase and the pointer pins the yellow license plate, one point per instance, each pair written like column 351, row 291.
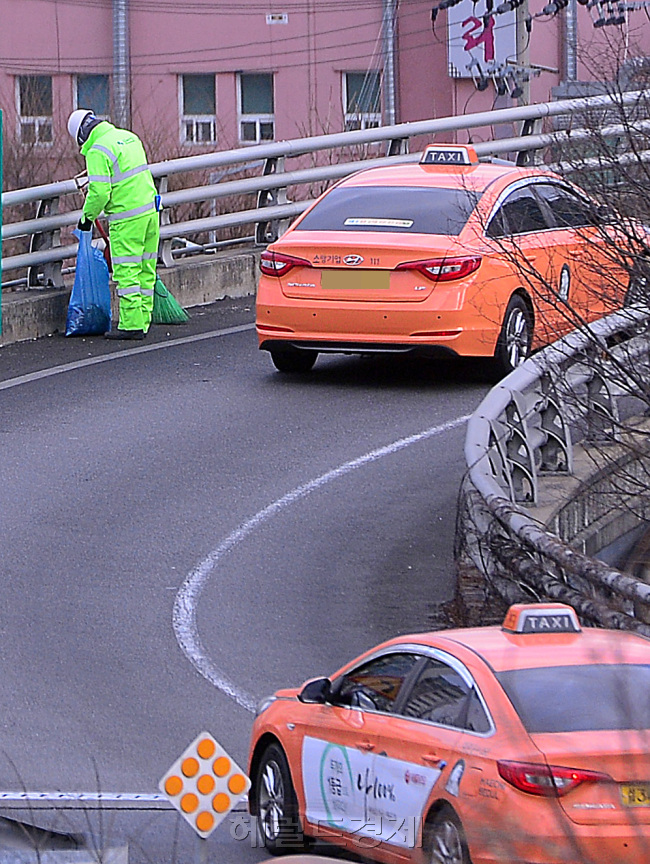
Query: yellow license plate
column 359, row 280
column 635, row 794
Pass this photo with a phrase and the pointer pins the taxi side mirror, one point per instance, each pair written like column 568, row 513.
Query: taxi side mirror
column 316, row 691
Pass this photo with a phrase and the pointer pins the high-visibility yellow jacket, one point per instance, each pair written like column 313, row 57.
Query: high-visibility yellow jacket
column 119, row 180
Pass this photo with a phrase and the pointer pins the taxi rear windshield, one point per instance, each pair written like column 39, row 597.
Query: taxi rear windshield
column 580, row 698
column 392, row 209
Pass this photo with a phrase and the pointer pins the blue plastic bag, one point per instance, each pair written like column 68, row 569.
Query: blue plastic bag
column 89, row 309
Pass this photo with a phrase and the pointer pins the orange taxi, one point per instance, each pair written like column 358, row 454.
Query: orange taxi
column 446, row 257
column 527, row 742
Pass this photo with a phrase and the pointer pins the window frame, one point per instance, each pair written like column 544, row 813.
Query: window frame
column 37, row 121
column 257, row 119
column 358, row 120
column 523, row 192
column 531, row 183
column 195, row 120
column 568, row 192
column 102, row 116
column 468, row 681
column 424, row 652
column 340, row 681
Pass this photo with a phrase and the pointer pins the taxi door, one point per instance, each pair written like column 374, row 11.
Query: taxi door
column 591, row 281
column 417, row 757
column 520, row 233
column 340, row 743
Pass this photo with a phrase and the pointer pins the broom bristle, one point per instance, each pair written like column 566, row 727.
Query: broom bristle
column 166, row 308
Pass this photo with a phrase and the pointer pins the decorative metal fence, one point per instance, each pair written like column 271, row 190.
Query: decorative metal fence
column 587, row 387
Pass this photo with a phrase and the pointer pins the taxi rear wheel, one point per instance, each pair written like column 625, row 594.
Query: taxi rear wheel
column 516, row 337
column 296, row 360
column 445, row 838
column 277, row 806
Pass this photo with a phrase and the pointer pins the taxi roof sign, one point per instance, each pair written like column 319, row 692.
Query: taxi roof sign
column 204, row 784
column 541, row 618
column 449, row 155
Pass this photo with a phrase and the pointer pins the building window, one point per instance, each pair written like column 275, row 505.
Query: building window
column 256, row 108
column 198, row 109
column 34, row 96
column 362, row 100
column 92, row 92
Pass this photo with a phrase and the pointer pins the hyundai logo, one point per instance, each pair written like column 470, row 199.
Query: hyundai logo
column 353, row 260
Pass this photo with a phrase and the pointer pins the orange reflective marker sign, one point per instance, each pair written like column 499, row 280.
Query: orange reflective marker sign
column 204, row 784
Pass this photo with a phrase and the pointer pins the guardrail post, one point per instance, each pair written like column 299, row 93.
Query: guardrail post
column 602, row 412
column 520, row 452
column 52, row 275
column 398, row 147
column 557, row 450
column 530, row 127
column 165, row 255
column 267, row 232
column 498, row 457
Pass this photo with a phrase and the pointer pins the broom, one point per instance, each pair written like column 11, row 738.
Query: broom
column 166, row 308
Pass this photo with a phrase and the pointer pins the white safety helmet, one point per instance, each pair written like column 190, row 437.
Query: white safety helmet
column 75, row 120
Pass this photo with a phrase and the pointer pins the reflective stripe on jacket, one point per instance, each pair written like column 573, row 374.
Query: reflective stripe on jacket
column 119, row 180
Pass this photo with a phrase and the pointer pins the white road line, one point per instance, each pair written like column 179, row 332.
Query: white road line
column 117, row 355
column 187, row 599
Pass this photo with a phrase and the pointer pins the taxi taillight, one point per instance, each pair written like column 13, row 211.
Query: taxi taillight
column 277, row 263
column 550, row 781
column 443, row 269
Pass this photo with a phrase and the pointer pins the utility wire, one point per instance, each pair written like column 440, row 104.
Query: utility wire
column 203, row 9
column 206, row 55
column 151, row 69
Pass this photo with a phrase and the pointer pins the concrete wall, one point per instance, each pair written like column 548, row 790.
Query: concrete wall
column 31, row 314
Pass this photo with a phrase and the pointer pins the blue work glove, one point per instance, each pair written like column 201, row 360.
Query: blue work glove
column 85, row 224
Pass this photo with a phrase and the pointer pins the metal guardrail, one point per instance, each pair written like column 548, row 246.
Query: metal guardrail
column 524, row 430
column 273, row 210
column 83, row 801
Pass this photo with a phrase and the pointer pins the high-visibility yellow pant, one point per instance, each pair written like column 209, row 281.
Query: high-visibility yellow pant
column 134, row 252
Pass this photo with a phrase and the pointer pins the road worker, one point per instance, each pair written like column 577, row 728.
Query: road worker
column 120, row 185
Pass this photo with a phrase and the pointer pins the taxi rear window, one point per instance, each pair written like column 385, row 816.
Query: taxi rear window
column 392, row 209
column 580, row 698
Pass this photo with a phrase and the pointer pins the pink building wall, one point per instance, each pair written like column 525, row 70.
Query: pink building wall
column 308, row 57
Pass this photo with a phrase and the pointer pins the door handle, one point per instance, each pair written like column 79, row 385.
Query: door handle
column 365, row 745
column 432, row 759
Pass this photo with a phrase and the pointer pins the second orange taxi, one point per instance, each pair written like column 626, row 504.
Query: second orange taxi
column 527, row 742
column 446, row 257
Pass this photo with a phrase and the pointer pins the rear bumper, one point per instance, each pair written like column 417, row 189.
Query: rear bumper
column 375, row 328
column 331, row 347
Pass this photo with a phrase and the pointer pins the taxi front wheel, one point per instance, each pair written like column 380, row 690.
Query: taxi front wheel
column 277, row 806
column 445, row 838
column 516, row 337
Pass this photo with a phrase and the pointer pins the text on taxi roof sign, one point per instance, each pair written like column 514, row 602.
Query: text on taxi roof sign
column 541, row 618
column 449, row 154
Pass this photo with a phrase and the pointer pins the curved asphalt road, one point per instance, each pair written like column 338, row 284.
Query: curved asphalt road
column 184, row 530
